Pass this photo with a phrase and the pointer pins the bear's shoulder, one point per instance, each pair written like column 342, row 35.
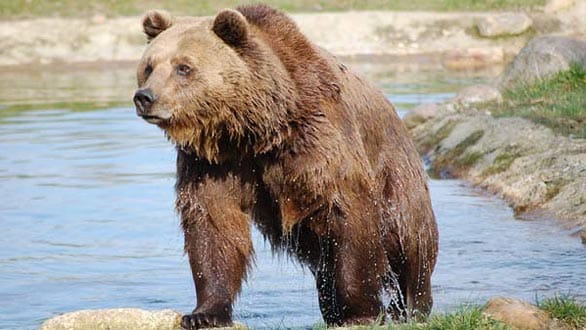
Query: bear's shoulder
column 311, row 71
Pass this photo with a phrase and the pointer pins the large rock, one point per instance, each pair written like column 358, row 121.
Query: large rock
column 115, row 319
column 505, row 24
column 516, row 313
column 543, row 57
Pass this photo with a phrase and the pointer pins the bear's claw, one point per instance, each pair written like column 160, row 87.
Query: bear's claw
column 203, row 320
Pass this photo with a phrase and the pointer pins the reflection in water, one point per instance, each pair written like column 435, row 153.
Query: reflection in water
column 88, row 222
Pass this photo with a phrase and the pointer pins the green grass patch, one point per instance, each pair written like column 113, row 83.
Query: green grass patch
column 566, row 309
column 465, row 318
column 559, row 102
column 469, row 159
column 455, row 160
column 432, row 140
column 502, row 162
column 552, row 188
column 75, row 8
column 527, row 35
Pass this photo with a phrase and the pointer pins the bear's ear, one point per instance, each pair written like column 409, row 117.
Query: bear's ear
column 231, row 26
column 155, row 22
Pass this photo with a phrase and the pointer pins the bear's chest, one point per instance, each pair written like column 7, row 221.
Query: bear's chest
column 299, row 195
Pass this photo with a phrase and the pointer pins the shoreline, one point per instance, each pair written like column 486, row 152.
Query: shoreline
column 539, row 173
column 449, row 39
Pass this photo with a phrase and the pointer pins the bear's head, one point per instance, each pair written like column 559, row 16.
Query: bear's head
column 213, row 86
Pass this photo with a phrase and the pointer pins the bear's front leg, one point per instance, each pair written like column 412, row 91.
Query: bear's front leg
column 219, row 247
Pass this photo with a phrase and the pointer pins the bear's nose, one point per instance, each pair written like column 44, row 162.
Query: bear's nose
column 143, row 99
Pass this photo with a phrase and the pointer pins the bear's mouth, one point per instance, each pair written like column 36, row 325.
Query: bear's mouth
column 156, row 120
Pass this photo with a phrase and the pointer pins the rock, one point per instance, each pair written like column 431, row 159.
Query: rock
column 505, row 24
column 538, row 171
column 478, row 94
column 472, row 58
column 543, row 57
column 554, row 6
column 420, row 114
column 115, row 319
column 583, row 235
column 516, row 313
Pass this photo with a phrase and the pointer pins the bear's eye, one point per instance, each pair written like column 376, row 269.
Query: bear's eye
column 183, row 70
column 148, row 70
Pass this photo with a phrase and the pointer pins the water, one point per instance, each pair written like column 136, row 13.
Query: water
column 88, row 222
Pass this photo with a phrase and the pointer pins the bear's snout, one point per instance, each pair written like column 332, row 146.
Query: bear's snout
column 144, row 99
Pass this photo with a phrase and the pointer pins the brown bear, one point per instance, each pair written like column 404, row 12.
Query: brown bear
column 274, row 131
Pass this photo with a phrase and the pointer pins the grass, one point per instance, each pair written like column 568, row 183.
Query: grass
column 559, row 102
column 455, row 159
column 563, row 308
column 469, row 159
column 466, row 318
column 502, row 162
column 76, row 8
column 566, row 309
column 432, row 140
column 552, row 188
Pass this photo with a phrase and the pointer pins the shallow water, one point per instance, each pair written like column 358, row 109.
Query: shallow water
column 88, row 222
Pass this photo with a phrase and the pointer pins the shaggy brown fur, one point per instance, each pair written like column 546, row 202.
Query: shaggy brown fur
column 274, row 131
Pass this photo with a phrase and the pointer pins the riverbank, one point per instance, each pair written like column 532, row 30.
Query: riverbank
column 556, row 313
column 540, row 173
column 454, row 40
column 480, row 136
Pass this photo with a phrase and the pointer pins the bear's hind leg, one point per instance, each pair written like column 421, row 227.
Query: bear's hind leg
column 349, row 279
column 411, row 291
column 416, row 289
column 352, row 305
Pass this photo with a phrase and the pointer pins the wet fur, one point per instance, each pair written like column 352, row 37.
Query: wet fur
column 315, row 157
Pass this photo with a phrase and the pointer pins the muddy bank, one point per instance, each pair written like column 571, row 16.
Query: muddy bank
column 450, row 39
